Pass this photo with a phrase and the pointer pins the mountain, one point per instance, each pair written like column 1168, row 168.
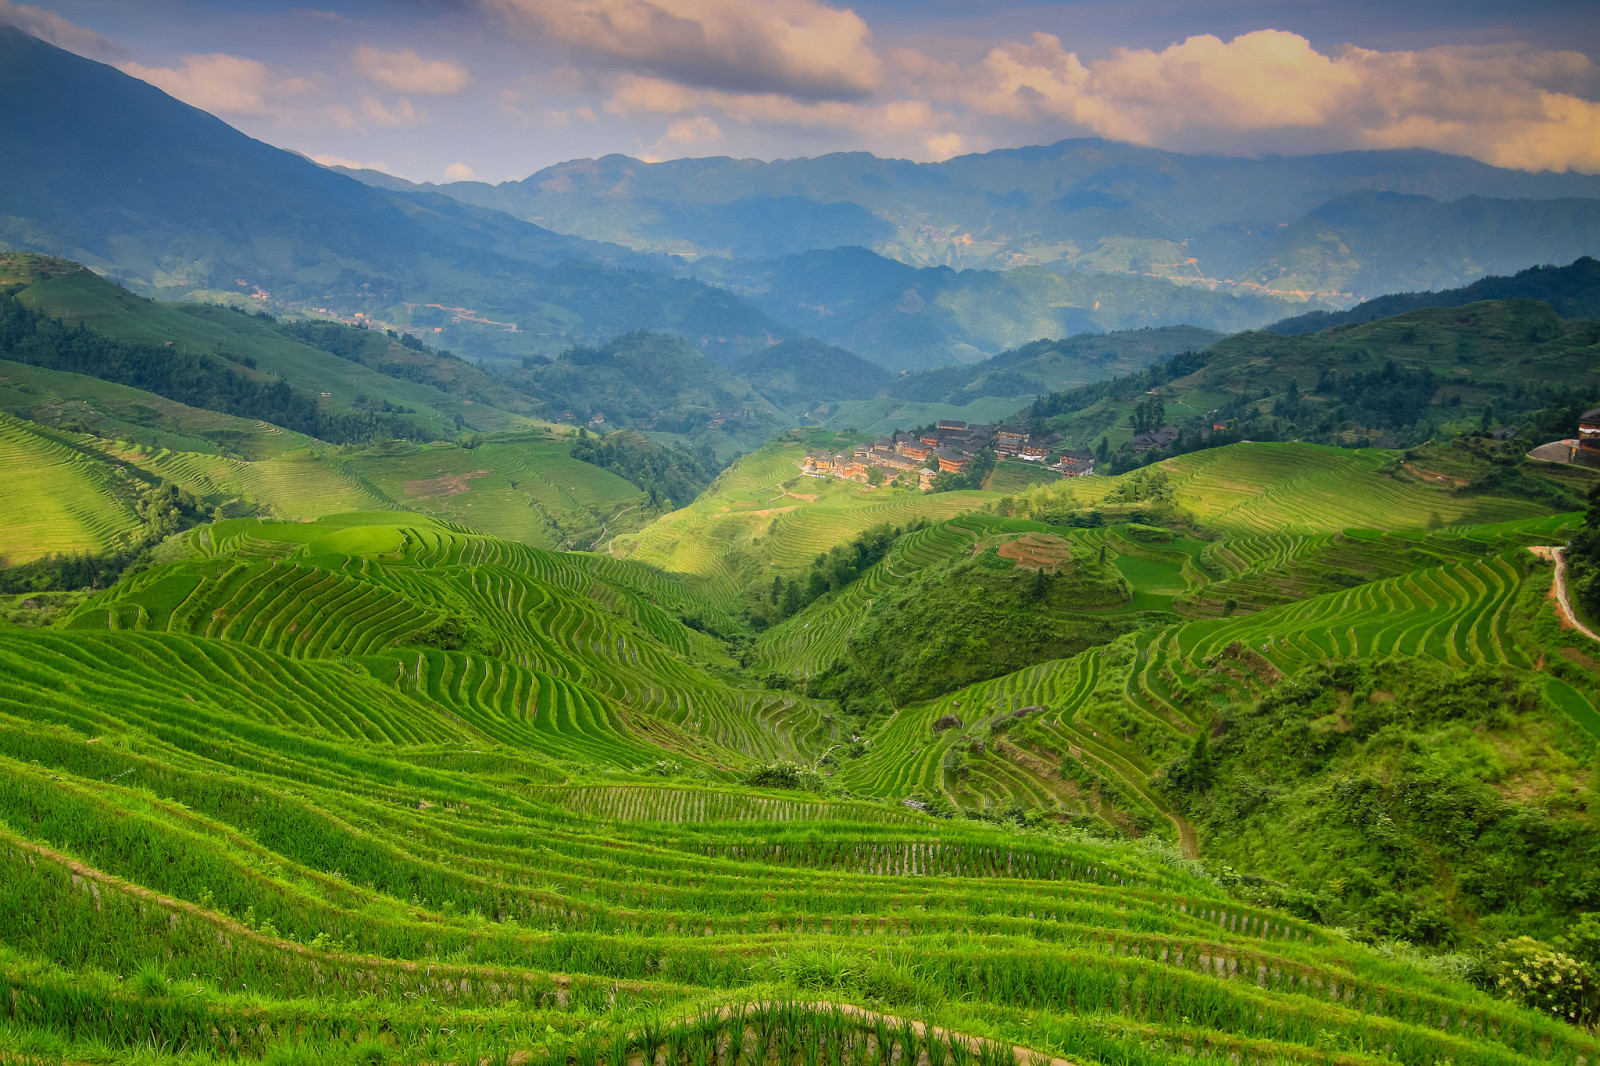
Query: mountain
column 1078, row 204
column 655, row 383
column 795, row 374
column 1382, row 242
column 1051, row 365
column 1396, row 381
column 107, row 170
column 1571, row 291
column 906, row 318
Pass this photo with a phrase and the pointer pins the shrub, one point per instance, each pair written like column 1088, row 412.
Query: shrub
column 1538, row 976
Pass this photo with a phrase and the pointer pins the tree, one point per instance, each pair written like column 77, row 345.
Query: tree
column 1103, row 452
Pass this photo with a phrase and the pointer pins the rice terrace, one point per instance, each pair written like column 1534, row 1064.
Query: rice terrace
column 883, row 574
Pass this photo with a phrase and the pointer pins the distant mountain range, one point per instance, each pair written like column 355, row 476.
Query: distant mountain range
column 108, row 171
column 874, row 256
column 907, row 318
column 1345, row 225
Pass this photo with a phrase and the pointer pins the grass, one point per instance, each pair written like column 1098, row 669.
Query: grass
column 389, row 787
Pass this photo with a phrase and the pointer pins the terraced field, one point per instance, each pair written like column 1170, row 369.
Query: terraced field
column 56, row 497
column 385, row 788
column 524, row 489
column 1313, row 488
column 763, row 516
column 1126, row 708
column 216, row 850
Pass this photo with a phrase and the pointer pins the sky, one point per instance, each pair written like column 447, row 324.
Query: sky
column 495, row 90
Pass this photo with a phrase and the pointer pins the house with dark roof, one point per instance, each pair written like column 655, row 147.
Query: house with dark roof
column 952, row 425
column 951, row 462
column 1161, row 438
column 1589, row 430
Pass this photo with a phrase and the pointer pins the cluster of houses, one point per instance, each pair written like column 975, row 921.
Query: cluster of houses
column 948, row 448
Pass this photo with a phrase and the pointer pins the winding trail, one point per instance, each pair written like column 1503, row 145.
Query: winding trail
column 1559, row 590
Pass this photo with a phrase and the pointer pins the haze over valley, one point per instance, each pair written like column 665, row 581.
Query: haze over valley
column 768, row 533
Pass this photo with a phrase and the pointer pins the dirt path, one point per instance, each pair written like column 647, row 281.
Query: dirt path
column 1559, row 590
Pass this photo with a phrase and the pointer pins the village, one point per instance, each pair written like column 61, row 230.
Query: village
column 947, row 447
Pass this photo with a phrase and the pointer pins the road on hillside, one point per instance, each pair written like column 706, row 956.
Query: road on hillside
column 1563, row 604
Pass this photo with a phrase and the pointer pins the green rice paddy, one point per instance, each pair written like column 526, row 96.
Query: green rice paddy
column 407, row 786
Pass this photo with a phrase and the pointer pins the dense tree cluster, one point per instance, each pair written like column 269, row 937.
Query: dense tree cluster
column 829, row 572
column 215, row 382
column 669, row 476
column 1583, row 559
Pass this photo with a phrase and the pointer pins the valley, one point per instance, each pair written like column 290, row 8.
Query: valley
column 1076, row 603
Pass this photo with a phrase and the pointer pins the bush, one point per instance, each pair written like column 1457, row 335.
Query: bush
column 785, row 775
column 1538, row 976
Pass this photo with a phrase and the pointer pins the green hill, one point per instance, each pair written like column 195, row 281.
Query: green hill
column 77, row 492
column 1513, row 363
column 378, row 788
column 798, row 374
column 108, row 171
column 1052, row 365
column 1572, row 291
column 657, row 384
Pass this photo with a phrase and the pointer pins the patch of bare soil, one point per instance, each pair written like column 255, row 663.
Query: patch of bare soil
column 443, row 486
column 1037, row 551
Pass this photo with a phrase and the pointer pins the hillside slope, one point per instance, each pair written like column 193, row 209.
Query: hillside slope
column 376, row 788
column 1572, row 291
column 109, row 171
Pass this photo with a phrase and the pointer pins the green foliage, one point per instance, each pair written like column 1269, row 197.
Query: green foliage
column 664, row 473
column 28, row 336
column 1547, row 980
column 829, row 572
column 1386, row 771
column 980, row 617
column 797, row 374
column 785, row 775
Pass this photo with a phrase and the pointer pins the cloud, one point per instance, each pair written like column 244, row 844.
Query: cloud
column 351, row 164
column 223, row 84
column 400, row 113
column 800, row 48
column 910, row 127
column 406, row 72
column 51, row 27
column 1509, row 105
column 458, row 172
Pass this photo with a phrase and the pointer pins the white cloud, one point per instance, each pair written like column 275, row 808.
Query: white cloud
column 351, row 164
column 400, row 113
column 407, row 72
column 458, row 172
column 51, row 27
column 223, row 84
column 1272, row 91
column 802, row 48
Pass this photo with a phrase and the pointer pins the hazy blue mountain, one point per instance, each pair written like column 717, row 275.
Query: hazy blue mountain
column 1373, row 243
column 1572, row 291
column 905, row 318
column 1078, row 204
column 110, row 171
column 1052, row 365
